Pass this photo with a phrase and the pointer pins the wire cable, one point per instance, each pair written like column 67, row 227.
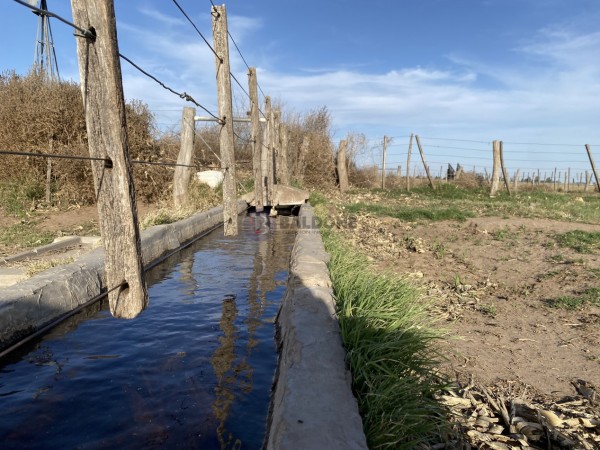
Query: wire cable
column 197, row 30
column 86, row 33
column 184, row 95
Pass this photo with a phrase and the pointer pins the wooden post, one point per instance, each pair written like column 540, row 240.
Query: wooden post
column 495, row 168
column 181, row 178
column 267, row 155
column 424, row 162
column 104, row 105
column 554, row 179
column 589, row 152
column 516, row 180
column 221, row 46
column 383, row 162
column 49, row 172
column 587, row 181
column 256, row 140
column 277, row 145
column 568, row 180
column 284, row 177
column 341, row 166
column 408, row 162
column 504, row 174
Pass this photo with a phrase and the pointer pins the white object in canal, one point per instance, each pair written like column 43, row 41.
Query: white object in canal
column 211, row 177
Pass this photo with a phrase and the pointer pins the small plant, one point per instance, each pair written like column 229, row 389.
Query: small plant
column 590, row 296
column 41, row 266
column 439, row 250
column 580, row 241
column 488, row 310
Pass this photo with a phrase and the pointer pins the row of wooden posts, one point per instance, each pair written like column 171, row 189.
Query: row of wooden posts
column 498, row 167
column 104, row 106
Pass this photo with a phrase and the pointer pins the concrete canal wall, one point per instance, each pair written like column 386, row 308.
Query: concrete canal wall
column 29, row 305
column 312, row 405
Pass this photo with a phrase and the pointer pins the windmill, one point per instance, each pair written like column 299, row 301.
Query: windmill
column 44, row 59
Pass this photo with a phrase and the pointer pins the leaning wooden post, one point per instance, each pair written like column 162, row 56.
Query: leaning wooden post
column 424, row 162
column 408, row 162
column 589, row 152
column 341, row 166
column 256, row 140
column 383, row 162
column 104, row 106
column 221, row 45
column 181, row 178
column 495, row 168
column 504, row 174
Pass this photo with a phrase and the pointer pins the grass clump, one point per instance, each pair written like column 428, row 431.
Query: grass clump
column 590, row 296
column 390, row 350
column 411, row 214
column 578, row 240
column 23, row 235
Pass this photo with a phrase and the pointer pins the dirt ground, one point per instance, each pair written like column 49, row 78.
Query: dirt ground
column 492, row 282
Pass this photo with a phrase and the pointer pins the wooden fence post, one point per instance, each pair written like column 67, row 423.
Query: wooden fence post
column 267, row 154
column 554, row 179
column 256, row 140
column 283, row 154
column 495, row 168
column 341, row 166
column 383, row 162
column 424, row 162
column 587, row 181
column 49, row 172
column 589, row 152
column 104, row 105
column 181, row 178
column 504, row 174
column 408, row 162
column 516, row 180
column 221, row 45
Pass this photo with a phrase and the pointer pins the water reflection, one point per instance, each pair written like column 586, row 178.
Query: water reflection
column 194, row 370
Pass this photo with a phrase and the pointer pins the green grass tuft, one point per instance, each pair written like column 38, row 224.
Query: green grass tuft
column 580, row 241
column 410, row 214
column 590, row 296
column 391, row 352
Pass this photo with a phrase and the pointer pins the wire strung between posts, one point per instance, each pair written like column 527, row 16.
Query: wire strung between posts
column 86, row 33
column 209, row 147
column 87, row 158
column 197, row 30
column 183, row 95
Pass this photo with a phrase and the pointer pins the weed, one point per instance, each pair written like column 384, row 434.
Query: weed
column 439, row 250
column 41, row 266
column 410, row 214
column 590, row 296
column 578, row 240
column 317, row 198
column 391, row 352
column 488, row 310
column 24, row 234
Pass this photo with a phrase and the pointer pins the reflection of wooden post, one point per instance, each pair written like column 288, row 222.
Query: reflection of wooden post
column 424, row 162
column 341, row 166
column 181, row 178
column 383, row 162
column 589, row 152
column 104, row 106
column 256, row 140
column 495, row 168
column 221, row 46
column 504, row 174
column 408, row 162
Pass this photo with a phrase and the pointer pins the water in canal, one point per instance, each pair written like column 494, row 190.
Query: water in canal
column 194, row 370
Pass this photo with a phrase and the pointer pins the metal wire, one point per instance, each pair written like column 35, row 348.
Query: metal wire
column 87, row 158
column 183, row 95
column 197, row 30
column 86, row 33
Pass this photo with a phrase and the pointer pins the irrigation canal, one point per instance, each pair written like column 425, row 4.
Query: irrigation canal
column 194, row 370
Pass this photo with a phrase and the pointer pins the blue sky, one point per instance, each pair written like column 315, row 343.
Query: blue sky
column 523, row 71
